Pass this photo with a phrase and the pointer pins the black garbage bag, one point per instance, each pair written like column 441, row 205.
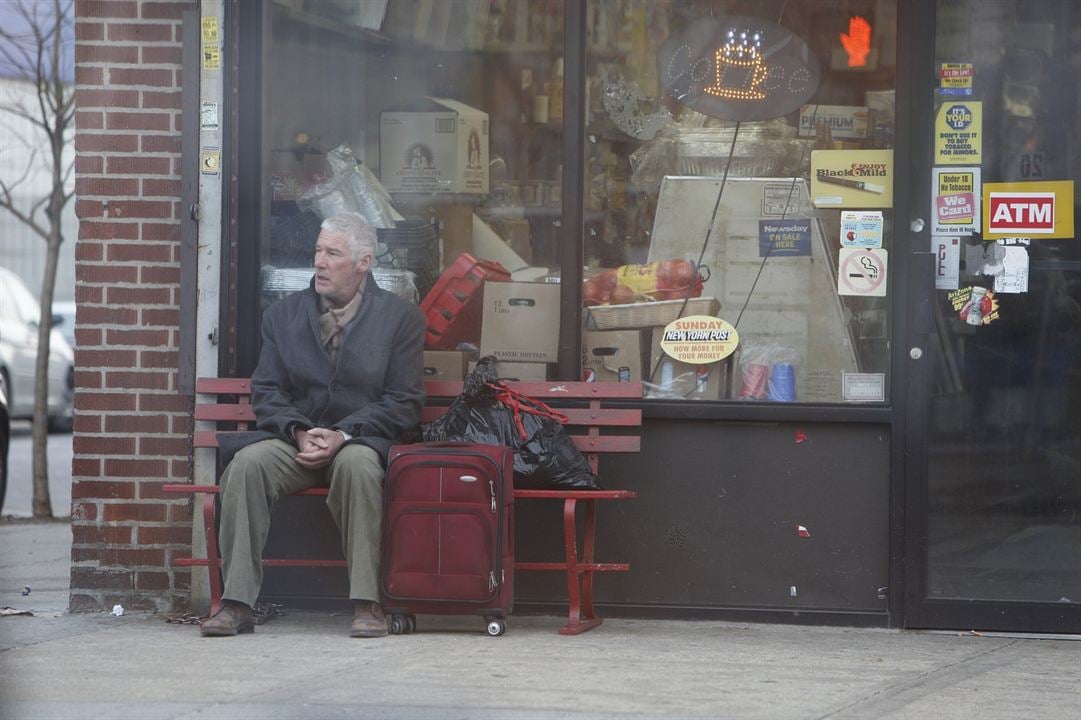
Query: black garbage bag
column 489, row 412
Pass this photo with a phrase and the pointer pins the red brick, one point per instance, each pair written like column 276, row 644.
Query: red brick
column 115, row 402
column 141, row 33
column 168, row 232
column 130, row 557
column 158, row 535
column 161, row 143
column 161, row 99
column 105, row 9
column 110, row 54
column 141, row 424
column 82, row 490
column 140, row 209
column 161, row 188
column 162, row 55
column 163, row 446
column 121, row 165
column 104, row 445
column 98, row 142
column 89, row 120
column 110, row 187
column 140, row 253
column 88, row 251
column 181, row 579
column 153, row 491
column 136, row 380
column 87, row 424
column 87, row 379
column 108, row 316
column 134, row 512
column 85, row 467
column 86, row 31
column 88, row 208
column 161, row 317
column 138, row 121
column 165, row 10
column 108, row 274
column 89, row 165
column 89, row 75
column 163, row 274
column 179, row 512
column 181, row 424
column 138, row 296
column 108, row 98
column 167, row 359
column 105, row 358
column 87, row 511
column 108, row 230
column 98, row 534
column 87, row 294
column 149, row 338
column 165, row 403
column 151, row 580
column 88, row 336
column 89, row 578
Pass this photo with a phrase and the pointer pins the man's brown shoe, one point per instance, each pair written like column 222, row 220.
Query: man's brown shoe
column 369, row 621
column 233, row 618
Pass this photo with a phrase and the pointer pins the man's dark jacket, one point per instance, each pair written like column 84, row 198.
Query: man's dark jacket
column 376, row 391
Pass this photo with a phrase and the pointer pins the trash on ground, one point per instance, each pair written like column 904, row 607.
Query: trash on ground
column 26, row 590
column 118, row 610
column 5, row 611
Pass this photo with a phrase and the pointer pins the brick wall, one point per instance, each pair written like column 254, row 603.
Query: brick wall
column 131, row 426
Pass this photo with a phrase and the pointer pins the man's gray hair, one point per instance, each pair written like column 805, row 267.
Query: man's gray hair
column 356, row 230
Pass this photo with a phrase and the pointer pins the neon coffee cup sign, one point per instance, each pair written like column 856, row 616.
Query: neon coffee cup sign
column 738, row 68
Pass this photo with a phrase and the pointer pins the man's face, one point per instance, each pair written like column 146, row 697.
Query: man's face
column 337, row 274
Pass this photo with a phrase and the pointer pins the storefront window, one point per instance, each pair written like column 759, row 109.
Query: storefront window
column 711, row 126
column 738, row 169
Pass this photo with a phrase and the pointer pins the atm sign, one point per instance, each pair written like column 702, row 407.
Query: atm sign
column 1022, row 213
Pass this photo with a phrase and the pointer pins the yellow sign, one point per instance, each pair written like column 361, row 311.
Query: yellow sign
column 699, row 339
column 959, row 133
column 852, row 178
column 1037, row 210
column 210, row 29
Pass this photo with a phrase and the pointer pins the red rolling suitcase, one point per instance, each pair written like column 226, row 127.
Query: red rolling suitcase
column 448, row 540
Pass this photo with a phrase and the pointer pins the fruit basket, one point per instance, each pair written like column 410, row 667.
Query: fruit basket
column 648, row 314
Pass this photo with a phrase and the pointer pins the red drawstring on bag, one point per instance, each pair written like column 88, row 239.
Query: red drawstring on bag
column 519, row 403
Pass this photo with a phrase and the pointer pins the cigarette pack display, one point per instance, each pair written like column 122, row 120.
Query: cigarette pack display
column 453, row 306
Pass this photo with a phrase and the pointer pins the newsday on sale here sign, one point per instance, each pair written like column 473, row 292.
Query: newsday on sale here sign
column 1038, row 210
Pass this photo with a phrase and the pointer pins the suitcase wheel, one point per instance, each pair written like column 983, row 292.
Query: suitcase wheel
column 402, row 624
column 496, row 627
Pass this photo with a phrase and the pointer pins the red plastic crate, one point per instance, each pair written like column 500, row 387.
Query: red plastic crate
column 453, row 306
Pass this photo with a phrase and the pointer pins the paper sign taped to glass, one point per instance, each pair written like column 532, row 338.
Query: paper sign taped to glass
column 852, row 178
column 955, row 200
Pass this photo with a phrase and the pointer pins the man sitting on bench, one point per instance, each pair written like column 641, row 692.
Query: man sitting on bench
column 339, row 380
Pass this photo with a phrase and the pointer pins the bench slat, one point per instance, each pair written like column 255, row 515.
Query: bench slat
column 583, row 417
column 223, row 386
column 551, row 389
column 585, row 443
column 225, row 412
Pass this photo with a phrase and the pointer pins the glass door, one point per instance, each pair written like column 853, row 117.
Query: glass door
column 993, row 523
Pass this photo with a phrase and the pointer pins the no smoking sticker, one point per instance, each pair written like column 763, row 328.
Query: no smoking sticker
column 862, row 271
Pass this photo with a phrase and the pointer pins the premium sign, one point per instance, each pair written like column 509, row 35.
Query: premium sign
column 1036, row 209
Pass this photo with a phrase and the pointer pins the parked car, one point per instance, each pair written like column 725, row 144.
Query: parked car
column 64, row 320
column 19, row 316
column 5, row 437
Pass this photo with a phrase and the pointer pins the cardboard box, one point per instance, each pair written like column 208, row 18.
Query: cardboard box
column 445, row 364
column 678, row 380
column 520, row 322
column 612, row 356
column 434, row 145
column 518, row 370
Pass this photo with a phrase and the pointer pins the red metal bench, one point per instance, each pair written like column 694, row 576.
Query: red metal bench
column 579, row 563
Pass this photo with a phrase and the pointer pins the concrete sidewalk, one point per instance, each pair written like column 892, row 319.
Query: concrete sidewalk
column 54, row 665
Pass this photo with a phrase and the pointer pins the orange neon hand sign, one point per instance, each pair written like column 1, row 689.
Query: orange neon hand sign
column 857, row 41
